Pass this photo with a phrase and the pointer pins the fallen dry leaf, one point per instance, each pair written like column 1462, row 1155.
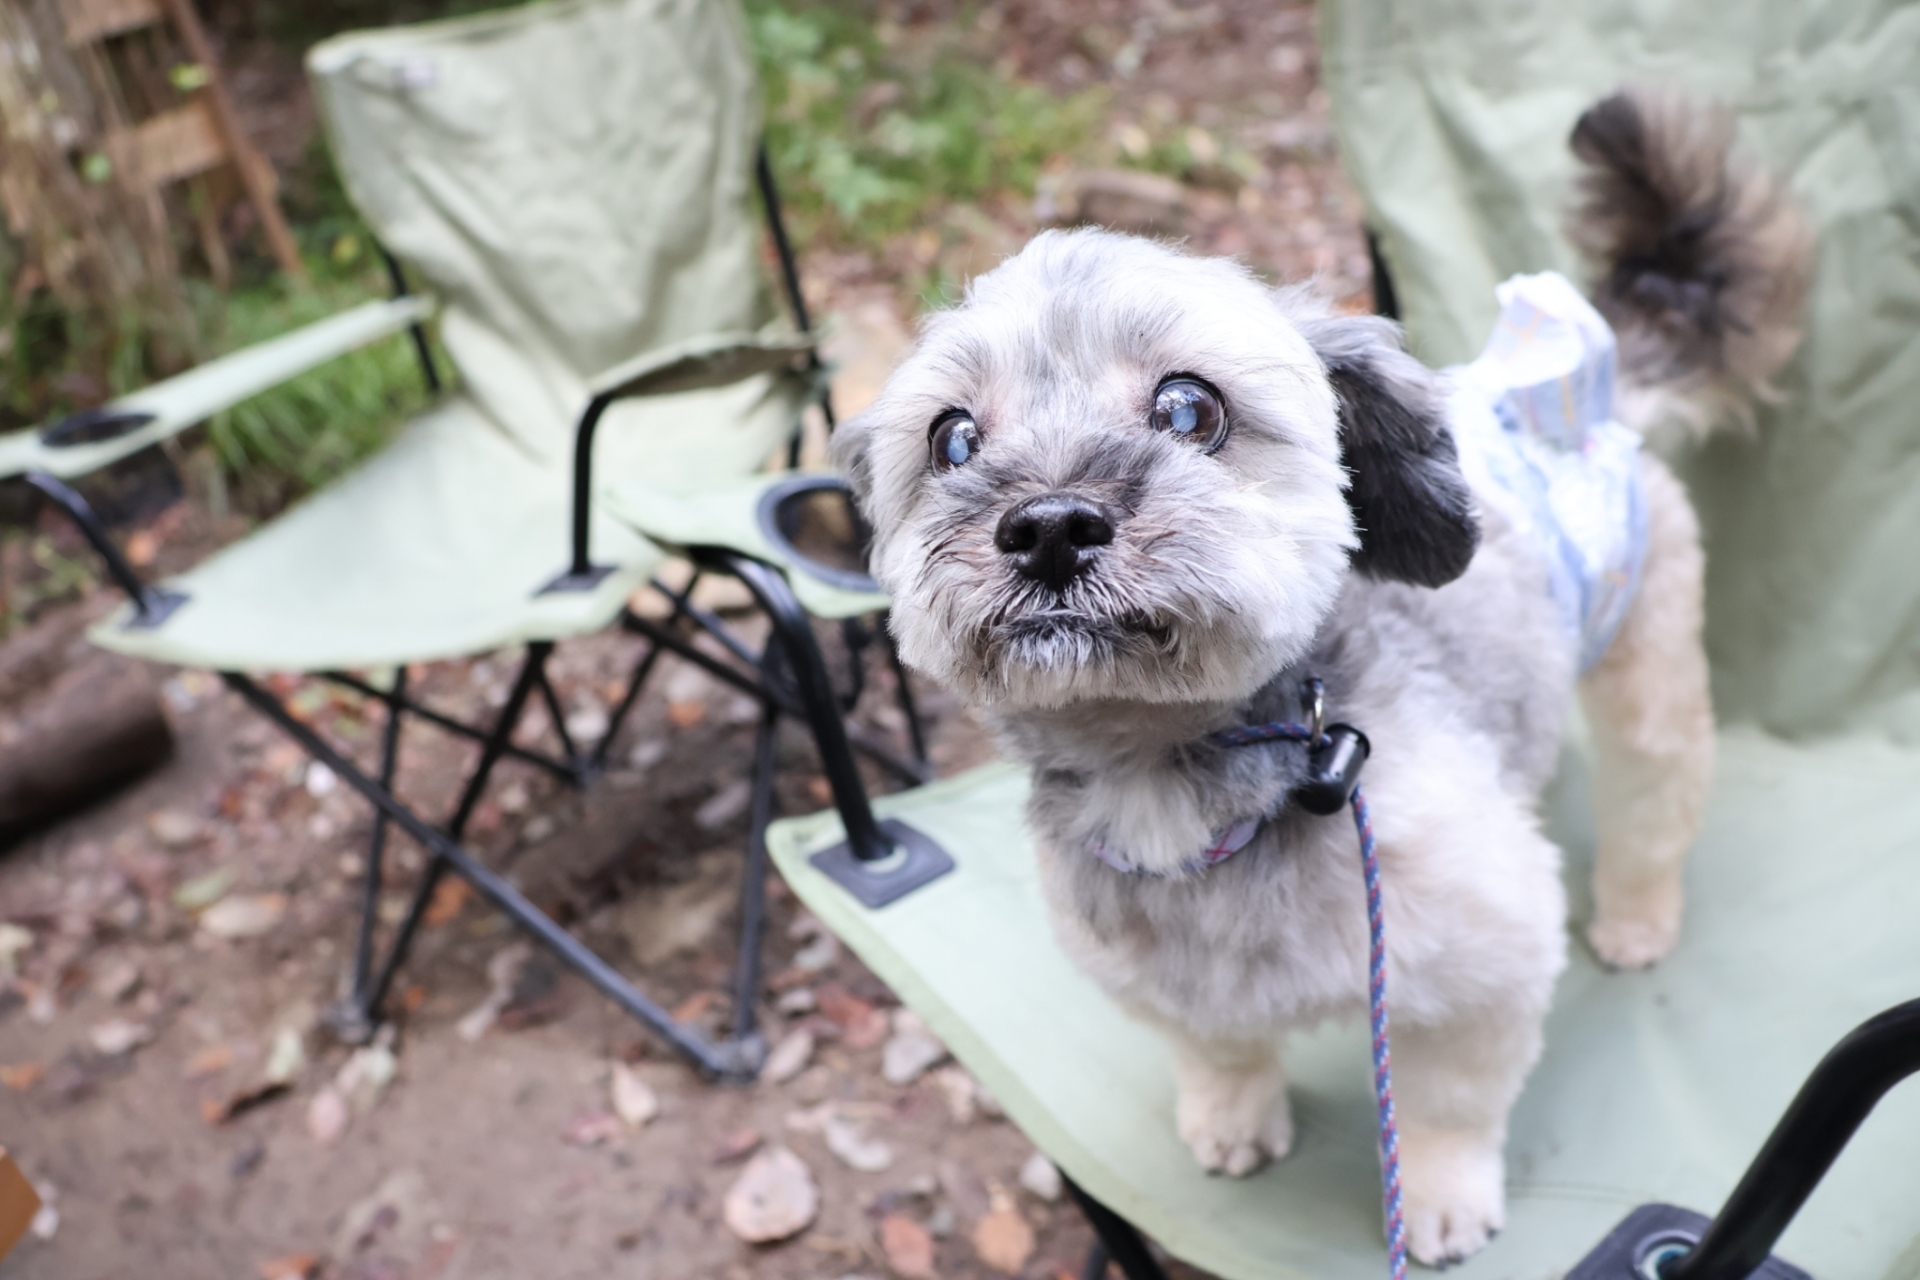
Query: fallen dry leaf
column 737, row 1145
column 773, row 1198
column 209, row 1061
column 862, row 1026
column 327, row 1116
column 633, row 1101
column 790, row 1057
column 22, row 1076
column 1003, row 1239
column 116, row 1036
column 909, row 1054
column 221, row 1110
column 695, row 1006
column 295, row 1266
column 908, row 1246
column 591, row 1129
column 854, row 1148
column 450, row 898
column 244, row 915
column 685, row 715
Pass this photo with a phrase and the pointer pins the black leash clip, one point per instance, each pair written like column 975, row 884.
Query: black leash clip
column 1335, row 755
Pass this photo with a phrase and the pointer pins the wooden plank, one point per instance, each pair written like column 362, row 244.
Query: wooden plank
column 89, row 21
column 168, row 147
column 255, row 173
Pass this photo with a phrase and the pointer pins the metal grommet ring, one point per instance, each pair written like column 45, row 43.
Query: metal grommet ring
column 1314, row 694
column 1657, row 1253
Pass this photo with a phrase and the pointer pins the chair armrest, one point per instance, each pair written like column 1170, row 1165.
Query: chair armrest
column 711, row 360
column 181, row 401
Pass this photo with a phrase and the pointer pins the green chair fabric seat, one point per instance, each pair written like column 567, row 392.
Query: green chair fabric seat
column 1656, row 1086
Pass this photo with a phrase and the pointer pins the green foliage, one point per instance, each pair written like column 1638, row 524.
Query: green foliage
column 872, row 130
column 305, row 432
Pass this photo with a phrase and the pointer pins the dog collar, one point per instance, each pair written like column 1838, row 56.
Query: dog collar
column 1226, row 842
column 1335, row 754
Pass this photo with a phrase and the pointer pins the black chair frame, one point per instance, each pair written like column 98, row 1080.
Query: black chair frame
column 787, row 677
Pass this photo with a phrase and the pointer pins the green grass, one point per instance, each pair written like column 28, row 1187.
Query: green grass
column 873, row 131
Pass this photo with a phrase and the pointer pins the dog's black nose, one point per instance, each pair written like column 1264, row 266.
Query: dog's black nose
column 1051, row 538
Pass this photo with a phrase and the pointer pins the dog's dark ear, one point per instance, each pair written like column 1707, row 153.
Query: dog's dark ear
column 1410, row 501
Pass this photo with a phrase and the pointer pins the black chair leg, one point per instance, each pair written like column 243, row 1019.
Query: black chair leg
column 1095, row 1267
column 903, row 691
column 352, row 1019
column 1119, row 1240
column 753, row 886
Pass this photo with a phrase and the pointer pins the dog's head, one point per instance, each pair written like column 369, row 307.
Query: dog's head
column 1118, row 471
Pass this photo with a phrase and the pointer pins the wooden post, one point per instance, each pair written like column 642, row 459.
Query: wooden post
column 255, row 173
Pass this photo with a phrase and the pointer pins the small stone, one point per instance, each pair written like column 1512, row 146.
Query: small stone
column 116, row 1036
column 538, row 829
column 774, row 1198
column 321, row 780
column 724, row 805
column 587, row 726
column 118, row 979
column 855, row 1149
column 14, row 939
column 962, row 1094
column 908, row 1246
column 327, row 1116
column 790, row 1057
column 633, row 1100
column 796, row 1002
column 645, row 755
column 1039, row 1176
column 818, row 954
column 244, row 915
column 366, row 1075
column 46, row 1220
column 173, row 829
column 941, row 1222
column 908, row 1056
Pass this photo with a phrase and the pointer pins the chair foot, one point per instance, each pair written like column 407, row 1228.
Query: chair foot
column 1095, row 1267
column 350, row 1022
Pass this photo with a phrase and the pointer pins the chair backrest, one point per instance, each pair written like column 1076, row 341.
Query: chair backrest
column 1453, row 119
column 575, row 179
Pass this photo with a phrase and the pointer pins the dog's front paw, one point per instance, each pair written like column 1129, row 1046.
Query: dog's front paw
column 1453, row 1193
column 1227, row 1135
column 1636, row 924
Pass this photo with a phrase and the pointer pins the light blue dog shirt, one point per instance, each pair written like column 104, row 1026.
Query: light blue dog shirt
column 1533, row 417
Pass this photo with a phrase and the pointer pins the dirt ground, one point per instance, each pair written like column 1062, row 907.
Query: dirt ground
column 164, row 1076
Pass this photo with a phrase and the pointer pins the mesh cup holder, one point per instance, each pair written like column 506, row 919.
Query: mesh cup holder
column 818, row 530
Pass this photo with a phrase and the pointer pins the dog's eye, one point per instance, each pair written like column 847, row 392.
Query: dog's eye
column 955, row 440
column 1191, row 410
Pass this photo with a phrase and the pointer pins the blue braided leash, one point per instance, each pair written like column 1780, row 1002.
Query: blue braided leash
column 1286, row 731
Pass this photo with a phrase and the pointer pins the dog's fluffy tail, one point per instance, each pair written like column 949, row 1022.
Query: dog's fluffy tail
column 1704, row 262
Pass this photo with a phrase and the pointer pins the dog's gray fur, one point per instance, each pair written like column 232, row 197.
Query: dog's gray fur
column 1332, row 534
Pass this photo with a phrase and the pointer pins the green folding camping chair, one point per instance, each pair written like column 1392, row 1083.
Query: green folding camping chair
column 574, row 182
column 1656, row 1087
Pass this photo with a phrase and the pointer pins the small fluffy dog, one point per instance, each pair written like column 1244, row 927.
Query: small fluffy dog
column 1124, row 498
